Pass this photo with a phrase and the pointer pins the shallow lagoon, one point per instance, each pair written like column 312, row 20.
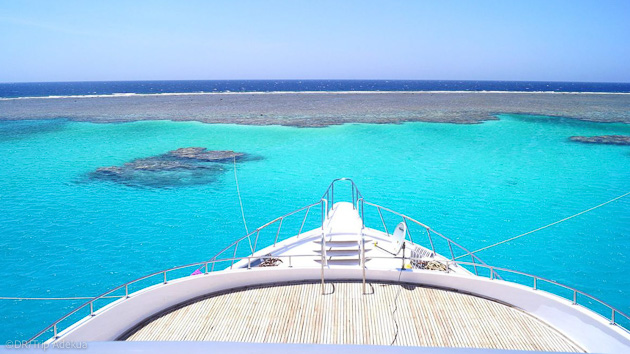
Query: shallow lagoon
column 62, row 234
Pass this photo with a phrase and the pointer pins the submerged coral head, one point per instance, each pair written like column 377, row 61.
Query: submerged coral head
column 203, row 154
column 176, row 168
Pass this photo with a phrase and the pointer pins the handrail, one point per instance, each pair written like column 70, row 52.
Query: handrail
column 164, row 273
column 203, row 265
column 614, row 311
column 535, row 287
column 280, row 218
column 493, row 271
column 429, row 230
column 357, row 201
column 324, row 259
column 363, row 243
column 329, row 194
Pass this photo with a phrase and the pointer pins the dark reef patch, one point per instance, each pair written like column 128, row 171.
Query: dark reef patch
column 177, row 168
column 603, row 139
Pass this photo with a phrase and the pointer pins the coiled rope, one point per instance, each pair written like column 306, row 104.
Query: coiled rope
column 546, row 226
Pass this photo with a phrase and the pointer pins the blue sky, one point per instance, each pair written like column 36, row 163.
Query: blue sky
column 450, row 40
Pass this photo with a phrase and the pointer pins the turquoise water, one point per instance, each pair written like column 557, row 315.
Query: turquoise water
column 62, row 234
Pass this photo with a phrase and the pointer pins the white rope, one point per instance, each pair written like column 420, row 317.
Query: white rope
column 546, row 226
column 240, row 201
column 58, row 298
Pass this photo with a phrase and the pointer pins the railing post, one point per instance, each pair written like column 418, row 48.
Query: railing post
column 451, row 248
column 491, row 273
column 322, row 202
column 612, row 317
column 126, row 291
column 362, row 214
column 92, row 308
column 278, row 232
column 164, row 277
column 206, row 271
column 407, row 227
column 535, row 283
column 431, row 241
column 574, row 297
column 363, row 261
column 352, row 189
column 329, row 204
column 382, row 220
column 474, row 264
column 249, row 263
column 55, row 331
column 332, row 194
column 303, row 221
column 212, row 268
column 323, row 259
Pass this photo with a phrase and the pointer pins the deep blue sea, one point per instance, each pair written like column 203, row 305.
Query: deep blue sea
column 65, row 233
column 10, row 90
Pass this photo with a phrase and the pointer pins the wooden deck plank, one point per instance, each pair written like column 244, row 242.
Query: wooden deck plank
column 299, row 313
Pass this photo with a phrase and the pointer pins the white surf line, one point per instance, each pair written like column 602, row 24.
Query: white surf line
column 121, row 95
column 546, row 226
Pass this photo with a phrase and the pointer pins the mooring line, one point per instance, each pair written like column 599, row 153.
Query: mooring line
column 546, row 226
column 240, row 201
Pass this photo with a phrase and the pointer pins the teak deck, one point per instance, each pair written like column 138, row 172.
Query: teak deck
column 399, row 314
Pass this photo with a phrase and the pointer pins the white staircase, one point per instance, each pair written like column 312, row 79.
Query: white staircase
column 343, row 237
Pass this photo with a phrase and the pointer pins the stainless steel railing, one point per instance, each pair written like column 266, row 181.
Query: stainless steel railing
column 535, row 285
column 163, row 280
column 326, row 204
column 326, row 201
column 329, row 194
column 450, row 243
column 205, row 265
column 279, row 220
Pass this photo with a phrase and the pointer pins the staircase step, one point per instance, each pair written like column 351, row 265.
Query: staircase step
column 354, row 257
column 342, row 244
column 339, row 240
column 337, row 253
column 342, row 239
column 350, row 261
column 335, row 250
